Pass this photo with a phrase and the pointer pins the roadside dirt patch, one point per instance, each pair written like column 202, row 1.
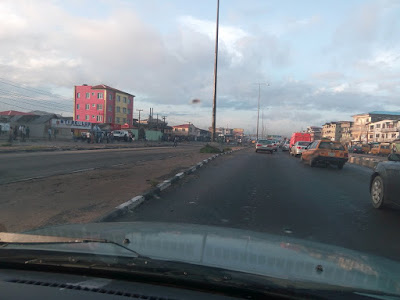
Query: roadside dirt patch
column 83, row 197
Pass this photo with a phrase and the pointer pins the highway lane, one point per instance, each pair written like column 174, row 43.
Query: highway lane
column 280, row 195
column 24, row 166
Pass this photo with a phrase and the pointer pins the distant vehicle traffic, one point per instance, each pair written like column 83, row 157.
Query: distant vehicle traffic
column 299, row 137
column 325, row 152
column 285, row 146
column 298, row 148
column 265, row 145
column 384, row 184
column 381, row 149
column 356, row 149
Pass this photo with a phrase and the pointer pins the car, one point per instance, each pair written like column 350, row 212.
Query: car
column 325, row 152
column 265, row 145
column 285, row 146
column 384, row 185
column 120, row 134
column 356, row 149
column 382, row 149
column 275, row 145
column 298, row 148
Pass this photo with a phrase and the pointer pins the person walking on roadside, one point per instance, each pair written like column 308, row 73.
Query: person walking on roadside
column 10, row 135
column 27, row 132
column 23, row 133
column 175, row 141
column 55, row 133
column 49, row 133
column 15, row 132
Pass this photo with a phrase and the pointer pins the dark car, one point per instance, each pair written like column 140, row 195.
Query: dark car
column 384, row 185
column 356, row 149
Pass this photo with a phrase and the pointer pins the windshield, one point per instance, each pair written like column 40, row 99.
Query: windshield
column 331, row 145
column 198, row 113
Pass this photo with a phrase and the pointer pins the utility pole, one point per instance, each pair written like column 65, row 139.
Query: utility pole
column 215, row 77
column 139, row 110
column 258, row 109
column 163, row 126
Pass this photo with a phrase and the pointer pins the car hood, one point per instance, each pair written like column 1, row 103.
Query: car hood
column 245, row 251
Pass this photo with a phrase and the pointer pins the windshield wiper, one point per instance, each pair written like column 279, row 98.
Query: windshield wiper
column 29, row 239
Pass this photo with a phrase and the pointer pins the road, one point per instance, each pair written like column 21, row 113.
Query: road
column 25, row 166
column 279, row 195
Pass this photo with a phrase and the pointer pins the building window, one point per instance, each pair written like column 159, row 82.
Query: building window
column 87, row 106
column 77, row 117
column 377, row 135
column 87, row 95
column 124, row 110
column 183, row 129
column 78, row 95
column 124, row 99
column 109, row 119
column 93, row 105
column 99, row 106
column 93, row 117
column 129, row 101
column 378, row 125
column 117, row 119
column 99, row 95
column 371, row 136
column 99, row 118
column 119, row 98
column 92, row 93
column 109, row 108
column 87, row 117
column 371, row 127
column 118, row 109
column 124, row 120
column 77, row 106
column 109, row 97
column 383, row 125
column 129, row 111
column 394, row 135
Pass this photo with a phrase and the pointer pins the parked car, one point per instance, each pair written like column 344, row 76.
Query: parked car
column 265, row 145
column 384, row 184
column 356, row 149
column 120, row 134
column 285, row 146
column 298, row 148
column 325, row 152
column 299, row 136
column 381, row 149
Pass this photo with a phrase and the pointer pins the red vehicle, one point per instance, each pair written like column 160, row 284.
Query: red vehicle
column 299, row 136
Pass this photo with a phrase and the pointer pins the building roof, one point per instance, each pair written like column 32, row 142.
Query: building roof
column 103, row 86
column 14, row 113
column 378, row 112
column 182, row 126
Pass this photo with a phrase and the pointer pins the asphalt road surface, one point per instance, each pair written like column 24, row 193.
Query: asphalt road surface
column 280, row 195
column 25, row 166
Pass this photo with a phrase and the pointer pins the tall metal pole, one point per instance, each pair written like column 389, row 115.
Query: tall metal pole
column 258, row 109
column 215, row 77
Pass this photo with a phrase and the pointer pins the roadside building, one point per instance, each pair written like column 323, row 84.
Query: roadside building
column 345, row 132
column 315, row 132
column 360, row 128
column 331, row 131
column 185, row 131
column 383, row 131
column 103, row 104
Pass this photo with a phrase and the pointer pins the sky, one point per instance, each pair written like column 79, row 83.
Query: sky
column 314, row 61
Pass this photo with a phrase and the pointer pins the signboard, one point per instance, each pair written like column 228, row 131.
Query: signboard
column 60, row 123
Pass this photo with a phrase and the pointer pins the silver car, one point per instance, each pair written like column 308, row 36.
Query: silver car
column 285, row 146
column 298, row 148
column 265, row 145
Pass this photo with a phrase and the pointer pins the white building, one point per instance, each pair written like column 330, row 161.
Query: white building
column 384, row 131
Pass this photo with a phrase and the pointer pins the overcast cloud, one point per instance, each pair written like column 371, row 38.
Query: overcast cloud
column 321, row 65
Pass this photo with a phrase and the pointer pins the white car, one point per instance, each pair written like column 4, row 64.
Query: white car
column 298, row 148
column 120, row 134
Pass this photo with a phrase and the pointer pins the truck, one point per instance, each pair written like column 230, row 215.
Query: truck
column 299, row 136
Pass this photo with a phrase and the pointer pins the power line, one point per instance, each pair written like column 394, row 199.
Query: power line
column 33, row 105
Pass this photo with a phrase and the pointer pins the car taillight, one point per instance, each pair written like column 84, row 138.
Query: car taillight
column 259, row 145
column 298, row 147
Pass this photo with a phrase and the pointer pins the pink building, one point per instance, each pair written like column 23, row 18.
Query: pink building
column 102, row 104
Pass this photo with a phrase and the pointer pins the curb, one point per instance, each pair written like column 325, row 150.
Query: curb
column 131, row 204
column 370, row 163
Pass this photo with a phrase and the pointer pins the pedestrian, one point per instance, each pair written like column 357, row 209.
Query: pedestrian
column 175, row 141
column 28, row 131
column 55, row 133
column 20, row 131
column 49, row 133
column 23, row 133
column 1, row 130
column 10, row 135
column 15, row 132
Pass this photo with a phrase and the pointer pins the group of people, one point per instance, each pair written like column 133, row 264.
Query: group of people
column 52, row 132
column 21, row 131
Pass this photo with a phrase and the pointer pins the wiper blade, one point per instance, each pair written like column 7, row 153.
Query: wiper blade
column 7, row 238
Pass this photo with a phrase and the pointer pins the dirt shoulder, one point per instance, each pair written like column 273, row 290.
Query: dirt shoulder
column 83, row 197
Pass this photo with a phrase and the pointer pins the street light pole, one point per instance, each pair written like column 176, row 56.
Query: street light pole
column 215, row 77
column 258, row 107
column 139, row 110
